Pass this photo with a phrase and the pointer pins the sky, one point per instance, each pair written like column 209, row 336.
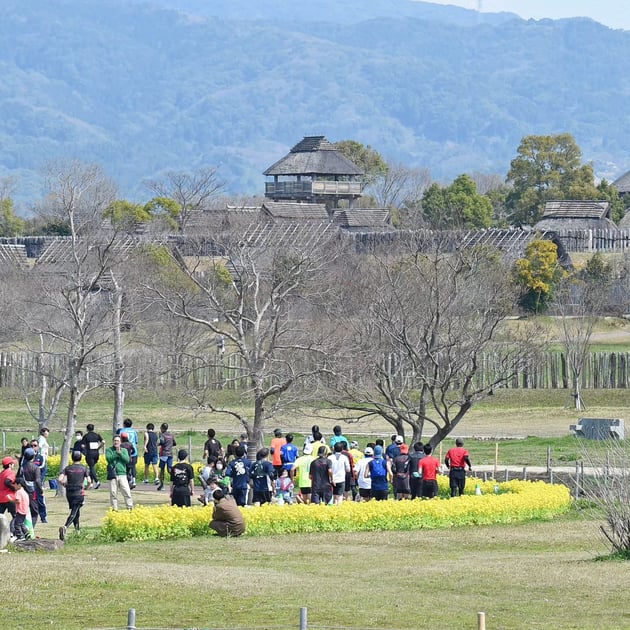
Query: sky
column 612, row 13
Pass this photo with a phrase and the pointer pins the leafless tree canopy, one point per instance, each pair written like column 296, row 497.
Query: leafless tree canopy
column 194, row 192
column 258, row 298
column 417, row 326
column 608, row 488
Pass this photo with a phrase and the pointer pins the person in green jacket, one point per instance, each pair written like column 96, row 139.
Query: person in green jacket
column 117, row 460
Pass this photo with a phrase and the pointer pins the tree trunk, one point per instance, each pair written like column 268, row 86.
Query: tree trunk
column 119, row 366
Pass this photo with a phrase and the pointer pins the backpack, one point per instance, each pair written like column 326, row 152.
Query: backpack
column 378, row 467
column 258, row 471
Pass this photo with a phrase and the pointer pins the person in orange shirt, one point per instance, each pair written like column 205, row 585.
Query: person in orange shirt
column 275, row 447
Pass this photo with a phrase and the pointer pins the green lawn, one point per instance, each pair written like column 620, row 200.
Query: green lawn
column 535, row 575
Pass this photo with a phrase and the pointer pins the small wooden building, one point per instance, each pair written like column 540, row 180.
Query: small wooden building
column 314, row 171
column 576, row 215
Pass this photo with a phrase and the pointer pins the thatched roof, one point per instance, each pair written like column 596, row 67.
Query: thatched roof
column 576, row 215
column 314, row 155
column 622, row 184
column 295, row 211
column 358, row 218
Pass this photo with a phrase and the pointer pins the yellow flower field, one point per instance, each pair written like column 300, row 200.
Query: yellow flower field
column 516, row 501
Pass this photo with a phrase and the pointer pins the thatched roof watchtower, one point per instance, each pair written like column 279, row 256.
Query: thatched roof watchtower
column 314, row 171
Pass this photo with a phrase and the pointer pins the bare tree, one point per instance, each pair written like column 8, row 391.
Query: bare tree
column 67, row 307
column 607, row 486
column 193, row 192
column 399, row 185
column 423, row 321
column 579, row 300
column 254, row 288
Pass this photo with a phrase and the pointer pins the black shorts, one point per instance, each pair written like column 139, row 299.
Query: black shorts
column 339, row 489
column 401, row 485
column 260, row 496
column 365, row 493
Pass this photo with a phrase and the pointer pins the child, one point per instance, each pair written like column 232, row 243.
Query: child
column 284, row 488
column 20, row 529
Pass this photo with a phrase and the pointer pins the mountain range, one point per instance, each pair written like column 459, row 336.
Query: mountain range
column 142, row 87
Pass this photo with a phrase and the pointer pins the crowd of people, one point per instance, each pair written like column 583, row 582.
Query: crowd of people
column 320, row 472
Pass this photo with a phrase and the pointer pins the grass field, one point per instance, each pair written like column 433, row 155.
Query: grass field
column 536, row 575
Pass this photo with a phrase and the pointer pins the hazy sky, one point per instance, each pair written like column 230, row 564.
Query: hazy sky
column 613, row 13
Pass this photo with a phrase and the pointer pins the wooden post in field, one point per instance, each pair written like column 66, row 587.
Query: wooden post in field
column 496, row 459
column 190, row 457
column 4, row 441
column 131, row 619
column 549, row 460
column 481, row 621
column 524, row 473
column 577, row 479
column 303, row 618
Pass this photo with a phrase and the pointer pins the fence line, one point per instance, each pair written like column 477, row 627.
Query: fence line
column 602, row 370
column 303, row 624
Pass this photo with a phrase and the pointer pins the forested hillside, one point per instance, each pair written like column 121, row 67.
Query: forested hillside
column 140, row 87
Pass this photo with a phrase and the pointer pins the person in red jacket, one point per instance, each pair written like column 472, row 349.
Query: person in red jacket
column 429, row 466
column 456, row 461
column 8, row 488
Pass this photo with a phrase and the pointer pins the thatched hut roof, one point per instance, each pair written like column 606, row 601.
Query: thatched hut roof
column 576, row 215
column 314, row 155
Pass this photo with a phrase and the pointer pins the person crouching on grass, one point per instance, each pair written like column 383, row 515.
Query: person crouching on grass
column 227, row 519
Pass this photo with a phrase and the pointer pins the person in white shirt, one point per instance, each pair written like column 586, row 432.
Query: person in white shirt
column 340, row 466
column 365, row 484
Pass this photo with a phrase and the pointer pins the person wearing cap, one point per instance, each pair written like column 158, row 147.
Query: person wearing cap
column 118, row 457
column 364, row 483
column 182, row 480
column 75, row 478
column 8, row 488
column 40, row 462
column 377, row 471
column 456, row 460
column 227, row 519
column 31, row 473
column 300, row 473
column 275, row 448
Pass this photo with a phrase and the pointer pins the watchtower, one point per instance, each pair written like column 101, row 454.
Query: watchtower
column 314, row 171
